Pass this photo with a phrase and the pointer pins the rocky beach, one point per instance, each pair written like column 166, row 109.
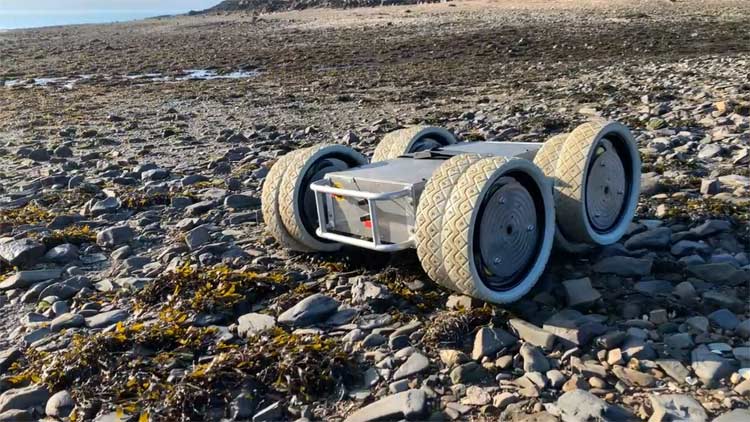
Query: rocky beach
column 139, row 283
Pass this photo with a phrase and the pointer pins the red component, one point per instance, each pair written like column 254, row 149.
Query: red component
column 368, row 223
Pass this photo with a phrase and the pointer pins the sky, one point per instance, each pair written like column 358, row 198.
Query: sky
column 47, row 5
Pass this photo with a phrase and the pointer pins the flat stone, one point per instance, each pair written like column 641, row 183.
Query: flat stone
column 239, row 201
column 22, row 253
column 710, row 367
column 105, row 319
column 23, row 398
column 711, row 227
column 675, row 369
column 17, row 415
column 108, row 205
column 579, row 405
column 253, row 323
column 658, row 238
column 676, row 407
column 24, row 279
column 725, row 319
column 633, row 378
column 197, row 237
column 624, row 266
column 469, row 372
column 580, row 293
column 308, row 311
column 736, row 415
column 476, row 396
column 415, row 364
column 532, row 334
column 114, row 236
column 719, row 273
column 66, row 320
column 489, row 341
column 62, row 254
column 653, row 287
column 689, row 247
column 410, row 404
column 573, row 327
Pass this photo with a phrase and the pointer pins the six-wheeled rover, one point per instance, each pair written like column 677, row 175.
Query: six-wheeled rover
column 483, row 216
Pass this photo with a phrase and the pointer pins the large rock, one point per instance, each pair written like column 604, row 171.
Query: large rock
column 254, row 323
column 105, row 319
column 17, row 415
column 108, row 205
column 489, row 341
column 310, row 310
column 573, row 327
column 23, row 398
column 736, row 415
column 720, row 273
column 114, row 236
column 409, row 405
column 710, row 367
column 582, row 406
column 657, row 238
column 416, row 363
column 66, row 320
column 532, row 334
column 624, row 266
column 22, row 253
column 24, row 279
column 533, row 359
column 676, row 407
column 7, row 358
column 580, row 293
column 60, row 405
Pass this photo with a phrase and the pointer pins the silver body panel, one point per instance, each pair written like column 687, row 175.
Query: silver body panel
column 375, row 206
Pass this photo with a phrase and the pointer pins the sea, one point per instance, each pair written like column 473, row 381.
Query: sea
column 14, row 19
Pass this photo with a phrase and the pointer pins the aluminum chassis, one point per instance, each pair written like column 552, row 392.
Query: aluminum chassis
column 323, row 191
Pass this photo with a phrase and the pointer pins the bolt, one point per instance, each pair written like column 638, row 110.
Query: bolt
column 498, row 260
column 502, row 200
column 530, row 228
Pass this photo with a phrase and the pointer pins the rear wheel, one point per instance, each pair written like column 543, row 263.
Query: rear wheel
column 410, row 140
column 270, row 205
column 546, row 159
column 597, row 182
column 297, row 201
column 498, row 229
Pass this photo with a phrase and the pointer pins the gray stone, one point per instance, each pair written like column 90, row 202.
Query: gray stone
column 711, row 227
column 416, row 363
column 489, row 341
column 7, row 358
column 239, row 201
column 710, row 367
column 23, row 398
column 632, row 377
column 22, row 253
column 17, row 415
column 67, row 320
column 573, row 327
column 197, row 237
column 468, row 373
column 743, row 329
column 155, row 174
column 60, row 405
column 689, row 247
column 653, row 287
column 532, row 334
column 720, row 273
column 373, row 340
column 62, row 254
column 736, row 415
column 580, row 293
column 709, row 151
column 409, row 404
column 24, row 279
column 253, row 323
column 114, row 236
column 657, row 238
column 105, row 319
column 364, row 291
column 725, row 319
column 624, row 266
column 675, row 369
column 308, row 311
column 533, row 359
column 579, row 405
column 108, row 205
column 676, row 407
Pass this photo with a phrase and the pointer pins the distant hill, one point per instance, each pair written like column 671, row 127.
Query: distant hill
column 279, row 5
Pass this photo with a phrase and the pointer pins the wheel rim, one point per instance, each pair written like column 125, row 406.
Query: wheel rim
column 317, row 171
column 606, row 187
column 510, row 232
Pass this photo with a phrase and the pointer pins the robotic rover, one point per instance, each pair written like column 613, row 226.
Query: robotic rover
column 483, row 216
